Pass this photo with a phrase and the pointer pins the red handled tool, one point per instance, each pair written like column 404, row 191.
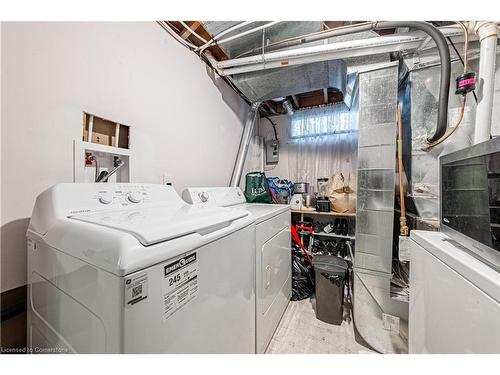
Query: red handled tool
column 296, row 238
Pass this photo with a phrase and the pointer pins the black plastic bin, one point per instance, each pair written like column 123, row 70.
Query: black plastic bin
column 330, row 274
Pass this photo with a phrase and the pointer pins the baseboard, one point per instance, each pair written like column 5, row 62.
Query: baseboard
column 13, row 302
column 13, row 320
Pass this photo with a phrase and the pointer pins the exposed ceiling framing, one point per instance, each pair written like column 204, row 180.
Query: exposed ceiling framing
column 322, row 96
column 198, row 28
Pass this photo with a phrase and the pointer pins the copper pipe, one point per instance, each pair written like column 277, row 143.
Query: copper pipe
column 403, row 230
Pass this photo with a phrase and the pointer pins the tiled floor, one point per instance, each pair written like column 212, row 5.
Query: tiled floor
column 300, row 332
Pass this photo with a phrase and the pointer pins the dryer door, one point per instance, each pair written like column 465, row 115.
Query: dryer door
column 273, row 276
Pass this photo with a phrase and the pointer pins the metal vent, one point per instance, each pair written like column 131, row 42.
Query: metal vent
column 270, row 84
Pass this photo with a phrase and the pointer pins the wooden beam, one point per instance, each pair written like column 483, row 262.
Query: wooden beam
column 312, row 99
column 186, row 33
column 197, row 26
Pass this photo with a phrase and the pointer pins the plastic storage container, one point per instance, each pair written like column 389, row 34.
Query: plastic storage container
column 330, row 274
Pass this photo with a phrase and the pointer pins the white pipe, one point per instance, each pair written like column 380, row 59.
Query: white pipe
column 417, row 37
column 311, row 54
column 231, row 29
column 325, row 52
column 176, row 36
column 488, row 35
column 195, row 34
column 221, row 34
column 213, row 62
column 237, row 36
column 251, row 31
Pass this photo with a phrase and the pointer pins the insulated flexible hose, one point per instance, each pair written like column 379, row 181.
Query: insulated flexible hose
column 444, row 56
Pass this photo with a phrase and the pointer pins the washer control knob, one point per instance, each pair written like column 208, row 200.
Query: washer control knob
column 106, row 198
column 134, row 197
column 203, row 196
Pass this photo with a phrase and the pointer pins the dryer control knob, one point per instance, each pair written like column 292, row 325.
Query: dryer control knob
column 106, row 198
column 134, row 197
column 203, row 196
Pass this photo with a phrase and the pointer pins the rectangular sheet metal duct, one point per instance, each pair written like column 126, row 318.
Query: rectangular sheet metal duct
column 376, row 169
column 378, row 90
column 274, row 83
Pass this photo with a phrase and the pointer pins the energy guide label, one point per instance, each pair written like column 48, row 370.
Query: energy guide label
column 179, row 284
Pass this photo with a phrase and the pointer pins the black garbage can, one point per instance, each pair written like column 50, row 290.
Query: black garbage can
column 330, row 274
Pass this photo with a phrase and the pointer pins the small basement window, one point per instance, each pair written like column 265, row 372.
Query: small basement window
column 105, row 132
column 323, row 121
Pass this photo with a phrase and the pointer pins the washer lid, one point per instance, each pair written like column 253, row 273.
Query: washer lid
column 152, row 225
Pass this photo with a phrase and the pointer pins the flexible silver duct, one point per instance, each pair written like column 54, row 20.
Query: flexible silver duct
column 288, row 106
column 244, row 143
column 444, row 56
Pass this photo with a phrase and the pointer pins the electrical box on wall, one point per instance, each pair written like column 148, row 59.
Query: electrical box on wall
column 103, row 155
column 272, row 151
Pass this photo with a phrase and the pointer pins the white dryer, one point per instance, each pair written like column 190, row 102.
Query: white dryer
column 454, row 298
column 131, row 268
column 273, row 255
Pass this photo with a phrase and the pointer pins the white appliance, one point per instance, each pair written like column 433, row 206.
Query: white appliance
column 454, row 298
column 131, row 268
column 297, row 201
column 273, row 256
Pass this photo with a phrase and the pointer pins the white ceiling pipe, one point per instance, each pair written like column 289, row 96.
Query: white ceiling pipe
column 211, row 59
column 222, row 33
column 216, row 40
column 346, row 50
column 488, row 35
column 316, row 50
column 327, row 52
column 194, row 33
column 176, row 36
column 251, row 31
column 447, row 32
column 339, row 50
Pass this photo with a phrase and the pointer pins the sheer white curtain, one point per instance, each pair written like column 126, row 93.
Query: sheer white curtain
column 323, row 142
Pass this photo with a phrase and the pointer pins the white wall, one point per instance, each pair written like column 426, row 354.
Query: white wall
column 132, row 73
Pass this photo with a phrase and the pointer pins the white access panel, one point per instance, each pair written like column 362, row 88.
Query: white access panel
column 451, row 312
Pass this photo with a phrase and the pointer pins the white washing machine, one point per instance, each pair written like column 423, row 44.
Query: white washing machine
column 454, row 298
column 273, row 255
column 132, row 268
